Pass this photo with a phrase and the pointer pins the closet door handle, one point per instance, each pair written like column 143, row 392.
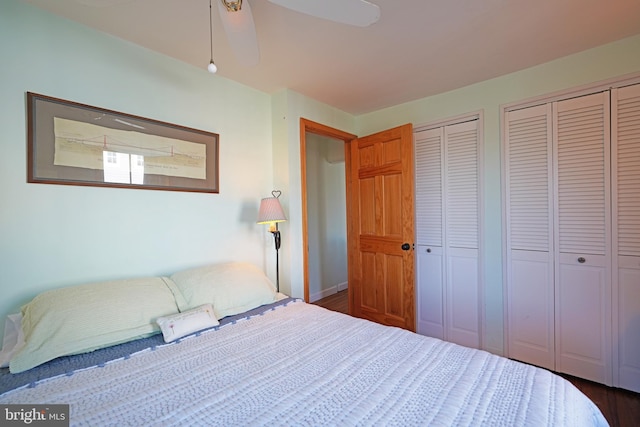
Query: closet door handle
column 405, row 247
column 582, row 260
column 428, row 250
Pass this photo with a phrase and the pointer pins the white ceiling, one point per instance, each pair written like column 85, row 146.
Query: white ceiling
column 418, row 48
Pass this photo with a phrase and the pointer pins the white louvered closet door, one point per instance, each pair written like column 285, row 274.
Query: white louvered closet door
column 582, row 237
column 460, row 187
column 447, row 201
column 429, row 232
column 529, row 206
column 626, row 234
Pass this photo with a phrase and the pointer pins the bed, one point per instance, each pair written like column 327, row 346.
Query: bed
column 289, row 363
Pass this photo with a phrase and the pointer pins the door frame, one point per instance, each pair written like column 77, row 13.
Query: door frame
column 322, row 130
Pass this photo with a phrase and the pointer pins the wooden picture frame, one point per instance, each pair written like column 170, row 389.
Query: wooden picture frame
column 77, row 144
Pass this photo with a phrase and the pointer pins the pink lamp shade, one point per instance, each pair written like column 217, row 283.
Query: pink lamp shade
column 270, row 211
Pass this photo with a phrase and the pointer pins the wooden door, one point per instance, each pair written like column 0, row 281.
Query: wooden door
column 381, row 228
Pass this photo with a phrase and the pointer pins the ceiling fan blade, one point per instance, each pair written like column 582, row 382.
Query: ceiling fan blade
column 241, row 33
column 360, row 13
column 102, row 3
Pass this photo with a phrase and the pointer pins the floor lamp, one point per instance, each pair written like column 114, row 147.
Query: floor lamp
column 271, row 213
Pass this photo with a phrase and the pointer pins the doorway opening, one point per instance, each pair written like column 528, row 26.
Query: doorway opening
column 324, row 162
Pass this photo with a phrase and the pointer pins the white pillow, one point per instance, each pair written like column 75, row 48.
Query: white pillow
column 182, row 324
column 13, row 338
column 232, row 288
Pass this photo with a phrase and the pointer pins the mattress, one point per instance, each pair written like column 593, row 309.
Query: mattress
column 296, row 364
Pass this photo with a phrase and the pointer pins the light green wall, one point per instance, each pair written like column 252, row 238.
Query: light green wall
column 605, row 62
column 55, row 235
column 287, row 109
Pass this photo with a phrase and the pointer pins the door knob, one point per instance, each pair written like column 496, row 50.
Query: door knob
column 405, row 246
column 582, row 260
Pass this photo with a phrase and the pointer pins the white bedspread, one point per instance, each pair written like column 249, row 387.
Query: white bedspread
column 302, row 365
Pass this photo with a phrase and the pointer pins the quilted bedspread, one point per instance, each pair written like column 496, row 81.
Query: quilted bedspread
column 302, row 365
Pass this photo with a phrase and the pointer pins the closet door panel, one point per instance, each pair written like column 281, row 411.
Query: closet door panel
column 429, row 232
column 582, row 236
column 428, row 181
column 531, row 334
column 581, row 130
column 629, row 325
column 430, row 292
column 461, row 185
column 463, row 325
column 583, row 308
column 626, row 233
column 529, row 244
column 626, row 172
column 461, row 234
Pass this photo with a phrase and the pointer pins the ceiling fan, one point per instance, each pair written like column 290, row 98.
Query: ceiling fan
column 237, row 19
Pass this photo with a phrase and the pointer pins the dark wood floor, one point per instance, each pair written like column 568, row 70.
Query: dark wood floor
column 620, row 407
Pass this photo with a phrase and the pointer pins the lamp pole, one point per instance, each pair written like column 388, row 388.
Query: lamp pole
column 271, row 213
column 276, row 238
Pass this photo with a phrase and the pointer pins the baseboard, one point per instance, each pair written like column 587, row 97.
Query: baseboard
column 329, row 291
column 494, row 350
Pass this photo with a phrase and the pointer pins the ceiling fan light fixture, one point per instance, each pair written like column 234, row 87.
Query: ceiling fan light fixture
column 211, row 67
column 232, row 5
